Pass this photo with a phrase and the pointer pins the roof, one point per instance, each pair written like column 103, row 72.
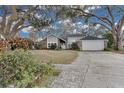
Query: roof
column 62, row 38
column 92, row 38
column 74, row 35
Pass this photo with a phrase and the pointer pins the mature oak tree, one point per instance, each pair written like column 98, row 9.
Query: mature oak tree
column 15, row 18
column 12, row 20
column 108, row 20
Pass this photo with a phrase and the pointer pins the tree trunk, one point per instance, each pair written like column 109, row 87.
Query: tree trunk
column 10, row 36
column 118, row 43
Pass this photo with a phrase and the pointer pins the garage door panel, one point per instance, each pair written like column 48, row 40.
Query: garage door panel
column 93, row 45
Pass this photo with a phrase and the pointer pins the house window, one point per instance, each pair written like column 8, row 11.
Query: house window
column 50, row 44
column 54, row 44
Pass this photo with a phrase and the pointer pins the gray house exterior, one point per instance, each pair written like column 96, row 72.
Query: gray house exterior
column 84, row 43
column 61, row 42
column 51, row 39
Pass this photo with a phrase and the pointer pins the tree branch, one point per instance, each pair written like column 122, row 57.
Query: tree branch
column 3, row 19
column 120, row 23
column 103, row 19
column 23, row 27
column 14, row 12
column 15, row 28
column 110, row 13
column 103, row 25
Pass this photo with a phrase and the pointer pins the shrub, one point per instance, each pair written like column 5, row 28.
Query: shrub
column 108, row 49
column 74, row 46
column 18, row 69
column 36, row 46
column 53, row 46
column 110, row 39
column 31, row 43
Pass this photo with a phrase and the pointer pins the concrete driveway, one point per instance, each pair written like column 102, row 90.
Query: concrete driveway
column 92, row 70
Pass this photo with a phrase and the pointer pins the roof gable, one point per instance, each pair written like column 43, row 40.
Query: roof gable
column 54, row 36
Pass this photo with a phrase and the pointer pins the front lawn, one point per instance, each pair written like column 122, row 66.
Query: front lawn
column 55, row 56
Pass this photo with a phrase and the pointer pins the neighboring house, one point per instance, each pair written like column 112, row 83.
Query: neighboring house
column 50, row 40
column 72, row 38
column 92, row 43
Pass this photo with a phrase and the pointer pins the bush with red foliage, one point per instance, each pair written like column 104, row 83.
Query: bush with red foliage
column 14, row 43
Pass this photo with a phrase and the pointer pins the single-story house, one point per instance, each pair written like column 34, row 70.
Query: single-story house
column 84, row 43
column 92, row 43
column 50, row 40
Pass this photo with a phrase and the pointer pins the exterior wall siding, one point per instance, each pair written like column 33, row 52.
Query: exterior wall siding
column 73, row 39
column 52, row 39
column 59, row 44
column 70, row 40
column 43, row 44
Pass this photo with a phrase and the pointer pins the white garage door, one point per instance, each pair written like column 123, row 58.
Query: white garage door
column 92, row 44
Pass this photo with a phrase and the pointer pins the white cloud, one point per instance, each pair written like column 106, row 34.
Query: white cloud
column 85, row 26
column 116, row 23
column 86, row 10
column 37, row 15
column 67, row 21
column 92, row 8
column 73, row 24
column 27, row 29
column 79, row 23
column 59, row 22
column 97, row 26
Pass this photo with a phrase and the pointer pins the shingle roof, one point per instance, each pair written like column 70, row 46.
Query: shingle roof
column 92, row 38
column 74, row 35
